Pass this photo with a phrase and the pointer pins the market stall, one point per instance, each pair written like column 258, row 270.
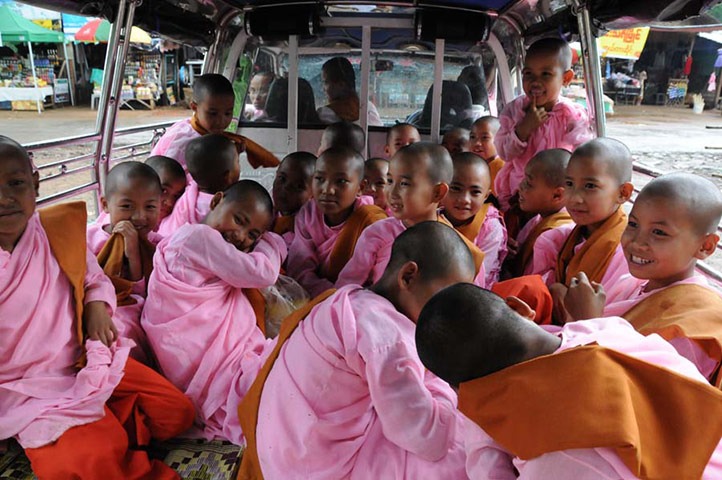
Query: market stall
column 28, row 78
column 142, row 70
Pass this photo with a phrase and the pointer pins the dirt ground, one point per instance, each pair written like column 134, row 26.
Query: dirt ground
column 668, row 139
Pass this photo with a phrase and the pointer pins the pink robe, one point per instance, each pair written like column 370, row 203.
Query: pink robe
column 42, row 394
column 126, row 317
column 312, row 246
column 492, row 241
column 627, row 292
column 348, row 397
column 568, row 127
column 373, row 252
column 191, row 207
column 200, row 324
column 550, row 243
column 174, row 141
column 487, row 459
column 524, row 235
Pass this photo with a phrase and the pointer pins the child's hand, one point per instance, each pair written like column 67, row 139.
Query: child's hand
column 584, row 299
column 98, row 324
column 534, row 118
column 130, row 237
column 131, row 249
column 559, row 312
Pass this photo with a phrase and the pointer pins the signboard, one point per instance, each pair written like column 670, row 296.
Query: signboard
column 624, row 43
column 61, row 90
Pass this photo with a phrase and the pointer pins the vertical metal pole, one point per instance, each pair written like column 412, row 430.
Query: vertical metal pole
column 503, row 67
column 35, row 81
column 592, row 69
column 292, row 119
column 108, row 71
column 365, row 75
column 114, row 100
column 436, row 92
column 71, row 84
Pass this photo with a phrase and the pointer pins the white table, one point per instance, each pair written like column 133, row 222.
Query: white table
column 12, row 94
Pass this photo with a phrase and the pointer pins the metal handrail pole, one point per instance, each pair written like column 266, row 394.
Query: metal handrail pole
column 592, row 68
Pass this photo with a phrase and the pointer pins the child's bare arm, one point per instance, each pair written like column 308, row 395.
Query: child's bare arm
column 132, row 249
column 98, row 324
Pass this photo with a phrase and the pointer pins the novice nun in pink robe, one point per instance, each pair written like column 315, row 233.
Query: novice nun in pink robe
column 42, row 394
column 348, row 397
column 200, row 324
column 312, row 246
column 488, row 460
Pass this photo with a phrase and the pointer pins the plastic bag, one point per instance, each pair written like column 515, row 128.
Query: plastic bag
column 282, row 299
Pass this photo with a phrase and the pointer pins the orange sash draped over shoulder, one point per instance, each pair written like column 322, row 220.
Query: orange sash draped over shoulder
column 526, row 250
column 65, row 226
column 256, row 154
column 345, row 244
column 494, row 167
column 475, row 251
column 660, row 423
column 533, row 291
column 690, row 311
column 258, row 303
column 471, row 230
column 248, row 410
column 284, row 224
column 596, row 253
column 111, row 258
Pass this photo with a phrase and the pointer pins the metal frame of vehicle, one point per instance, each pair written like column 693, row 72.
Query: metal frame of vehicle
column 231, row 42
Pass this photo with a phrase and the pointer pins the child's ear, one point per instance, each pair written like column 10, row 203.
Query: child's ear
column 708, row 247
column 104, row 204
column 194, row 106
column 407, row 274
column 216, row 200
column 568, row 77
column 558, row 196
column 36, row 183
column 386, row 150
column 363, row 185
column 440, row 191
column 625, row 192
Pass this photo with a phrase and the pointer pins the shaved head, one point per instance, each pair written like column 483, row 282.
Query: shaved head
column 126, row 172
column 342, row 154
column 398, row 128
column 551, row 165
column 700, row 199
column 491, row 122
column 434, row 158
column 343, row 134
column 469, row 159
column 450, row 253
column 612, row 153
column 9, row 148
column 211, row 85
column 552, row 46
column 465, row 332
column 161, row 163
column 249, row 189
column 456, row 134
column 303, row 161
column 209, row 158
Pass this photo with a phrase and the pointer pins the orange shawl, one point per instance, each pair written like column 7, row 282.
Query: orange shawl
column 533, row 291
column 345, row 244
column 494, row 167
column 475, row 252
column 596, row 253
column 347, row 108
column 258, row 303
column 471, row 230
column 64, row 226
column 111, row 258
column 690, row 311
column 284, row 224
column 660, row 423
column 248, row 409
column 257, row 155
column 526, row 250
